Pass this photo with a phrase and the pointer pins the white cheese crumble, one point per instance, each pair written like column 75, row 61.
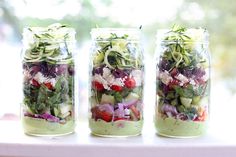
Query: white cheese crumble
column 101, row 80
column 27, row 75
column 40, row 78
column 106, row 72
column 182, row 79
column 107, row 79
column 192, row 82
column 52, row 81
column 127, row 112
column 119, row 82
column 165, row 77
column 110, row 79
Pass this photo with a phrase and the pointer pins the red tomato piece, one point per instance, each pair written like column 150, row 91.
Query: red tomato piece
column 116, row 88
column 98, row 86
column 98, row 114
column 173, row 83
column 35, row 83
column 201, row 118
column 105, row 116
column 130, row 83
column 48, row 85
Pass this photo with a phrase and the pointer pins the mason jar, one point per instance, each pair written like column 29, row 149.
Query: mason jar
column 116, row 82
column 182, row 82
column 48, row 106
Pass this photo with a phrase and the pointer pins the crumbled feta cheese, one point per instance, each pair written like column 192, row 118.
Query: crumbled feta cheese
column 182, row 79
column 127, row 112
column 52, row 81
column 165, row 77
column 106, row 72
column 119, row 82
column 40, row 78
column 97, row 78
column 137, row 75
column 101, row 80
column 192, row 82
column 27, row 75
column 110, row 79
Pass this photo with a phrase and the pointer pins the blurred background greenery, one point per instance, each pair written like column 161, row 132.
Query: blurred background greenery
column 218, row 17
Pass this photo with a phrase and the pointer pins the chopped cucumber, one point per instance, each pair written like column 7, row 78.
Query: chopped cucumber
column 107, row 99
column 186, row 101
column 132, row 96
column 196, row 100
column 56, row 111
column 174, row 102
column 65, row 108
column 64, row 115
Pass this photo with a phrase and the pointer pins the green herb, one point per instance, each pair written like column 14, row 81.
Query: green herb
column 186, row 92
column 42, row 99
column 118, row 97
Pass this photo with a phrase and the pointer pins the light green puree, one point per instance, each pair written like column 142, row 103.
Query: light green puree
column 117, row 128
column 172, row 127
column 35, row 126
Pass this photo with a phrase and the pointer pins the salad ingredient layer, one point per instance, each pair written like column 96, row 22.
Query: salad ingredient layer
column 117, row 80
column 48, row 70
column 182, row 78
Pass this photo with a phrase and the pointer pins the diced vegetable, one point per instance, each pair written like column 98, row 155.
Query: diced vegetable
column 107, row 99
column 186, row 101
column 196, row 100
column 132, row 96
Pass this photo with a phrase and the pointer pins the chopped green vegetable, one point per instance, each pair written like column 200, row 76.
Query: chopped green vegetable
column 185, row 101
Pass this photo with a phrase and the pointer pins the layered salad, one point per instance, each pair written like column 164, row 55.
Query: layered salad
column 116, row 96
column 48, row 83
column 182, row 83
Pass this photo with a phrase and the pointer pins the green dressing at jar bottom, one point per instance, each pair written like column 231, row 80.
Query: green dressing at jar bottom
column 117, row 128
column 172, row 127
column 41, row 127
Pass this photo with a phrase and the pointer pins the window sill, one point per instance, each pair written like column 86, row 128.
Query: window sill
column 13, row 142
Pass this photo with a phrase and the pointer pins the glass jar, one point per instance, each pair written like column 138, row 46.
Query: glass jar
column 116, row 82
column 183, row 82
column 48, row 106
